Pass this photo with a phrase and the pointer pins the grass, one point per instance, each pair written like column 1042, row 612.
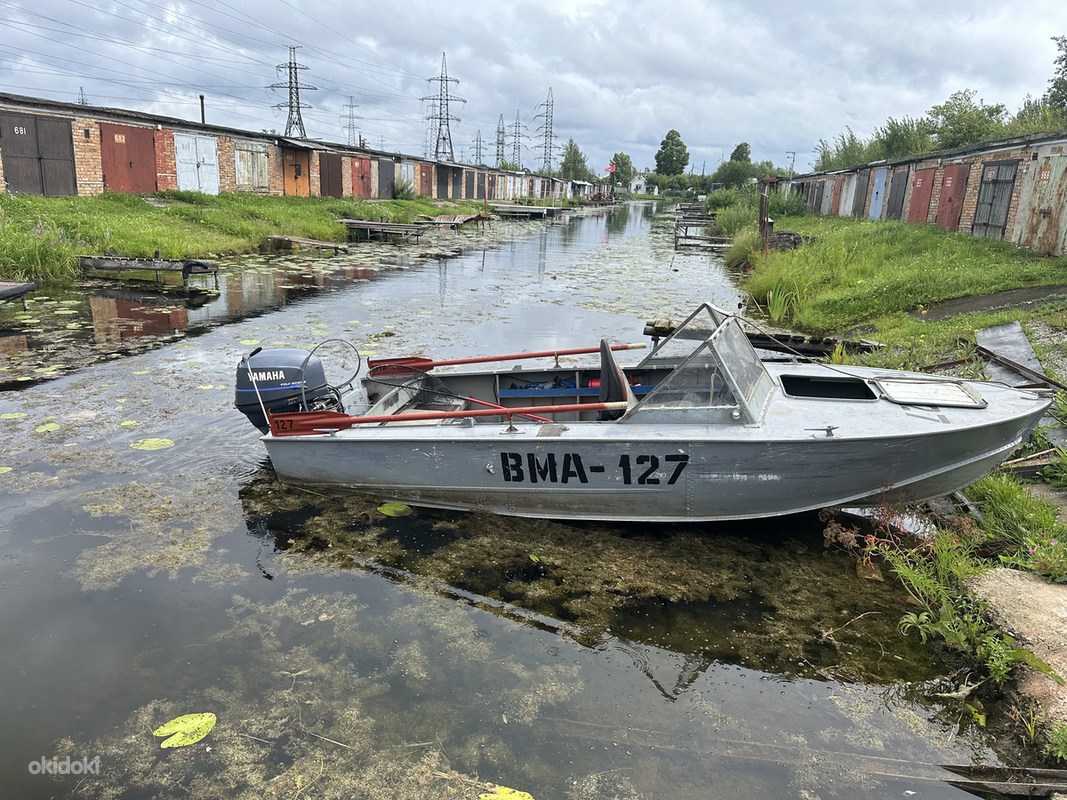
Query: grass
column 856, row 271
column 42, row 237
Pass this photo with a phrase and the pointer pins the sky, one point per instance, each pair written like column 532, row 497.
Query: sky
column 780, row 75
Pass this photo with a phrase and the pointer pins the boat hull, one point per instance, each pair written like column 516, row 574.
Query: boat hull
column 636, row 473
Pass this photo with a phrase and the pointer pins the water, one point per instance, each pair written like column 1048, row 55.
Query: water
column 348, row 653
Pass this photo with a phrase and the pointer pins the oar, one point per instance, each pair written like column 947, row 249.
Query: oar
column 422, row 363
column 305, row 423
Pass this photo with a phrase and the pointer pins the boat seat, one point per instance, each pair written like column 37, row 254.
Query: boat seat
column 614, row 385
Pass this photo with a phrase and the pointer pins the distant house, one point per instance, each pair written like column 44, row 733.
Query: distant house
column 639, row 185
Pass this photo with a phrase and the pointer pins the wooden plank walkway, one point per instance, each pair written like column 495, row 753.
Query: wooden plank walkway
column 368, row 229
column 159, row 266
column 528, row 212
column 455, row 221
column 279, row 242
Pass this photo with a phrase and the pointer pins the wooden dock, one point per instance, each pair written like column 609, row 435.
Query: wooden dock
column 278, row 242
column 455, row 221
column 158, row 266
column 366, row 230
column 10, row 290
column 526, row 212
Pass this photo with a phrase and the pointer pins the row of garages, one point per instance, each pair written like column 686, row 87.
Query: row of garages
column 62, row 149
column 1015, row 190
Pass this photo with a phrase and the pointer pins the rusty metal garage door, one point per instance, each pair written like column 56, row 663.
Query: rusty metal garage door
column 331, row 181
column 922, row 189
column 128, row 155
column 38, row 154
column 953, row 188
column 1042, row 214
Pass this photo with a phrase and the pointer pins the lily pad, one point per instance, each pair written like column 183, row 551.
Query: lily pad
column 4, row 470
column 13, row 415
column 394, row 509
column 48, row 427
column 504, row 793
column 186, row 730
column 152, row 443
column 249, row 342
column 129, row 423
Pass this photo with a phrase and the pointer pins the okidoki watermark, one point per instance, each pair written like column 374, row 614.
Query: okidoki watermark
column 65, row 766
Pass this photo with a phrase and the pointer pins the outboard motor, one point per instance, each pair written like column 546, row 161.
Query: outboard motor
column 285, row 380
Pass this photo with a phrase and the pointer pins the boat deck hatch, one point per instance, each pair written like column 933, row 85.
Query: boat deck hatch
column 837, row 388
column 930, row 393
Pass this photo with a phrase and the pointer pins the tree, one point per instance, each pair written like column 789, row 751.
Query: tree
column 624, row 169
column 574, row 166
column 1036, row 116
column 1056, row 96
column 904, row 137
column 961, row 121
column 672, row 156
column 742, row 153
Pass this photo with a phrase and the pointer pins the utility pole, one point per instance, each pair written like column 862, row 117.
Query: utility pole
column 516, row 141
column 441, row 116
column 501, row 138
column 294, row 124
column 546, row 131
column 350, row 122
column 792, row 160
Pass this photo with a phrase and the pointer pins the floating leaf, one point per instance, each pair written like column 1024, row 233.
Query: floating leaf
column 504, row 793
column 13, row 415
column 185, row 730
column 152, row 443
column 394, row 509
column 48, row 427
column 129, row 423
column 5, row 470
column 249, row 342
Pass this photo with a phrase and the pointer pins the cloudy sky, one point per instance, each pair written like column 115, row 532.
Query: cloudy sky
column 778, row 74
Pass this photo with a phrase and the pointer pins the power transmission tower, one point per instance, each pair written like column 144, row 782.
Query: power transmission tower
column 440, row 116
column 294, row 123
column 82, row 99
column 479, row 143
column 429, row 106
column 546, row 132
column 501, row 137
column 350, row 122
column 516, row 141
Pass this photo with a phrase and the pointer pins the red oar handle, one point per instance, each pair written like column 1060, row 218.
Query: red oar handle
column 427, row 363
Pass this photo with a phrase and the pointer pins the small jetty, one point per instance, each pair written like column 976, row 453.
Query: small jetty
column 279, row 242
column 12, row 290
column 365, row 230
column 690, row 229
column 157, row 266
column 526, row 212
column 455, row 221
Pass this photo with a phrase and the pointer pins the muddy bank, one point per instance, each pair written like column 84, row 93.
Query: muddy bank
column 1034, row 611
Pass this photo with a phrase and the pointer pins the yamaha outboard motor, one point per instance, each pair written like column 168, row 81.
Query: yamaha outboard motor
column 282, row 381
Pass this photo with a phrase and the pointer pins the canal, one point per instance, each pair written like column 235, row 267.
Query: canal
column 151, row 566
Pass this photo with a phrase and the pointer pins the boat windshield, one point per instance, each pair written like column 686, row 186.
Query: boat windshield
column 716, row 376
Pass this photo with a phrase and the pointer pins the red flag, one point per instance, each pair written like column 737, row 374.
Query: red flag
column 610, row 168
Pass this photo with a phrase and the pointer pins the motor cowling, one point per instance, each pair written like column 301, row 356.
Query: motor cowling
column 282, row 380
